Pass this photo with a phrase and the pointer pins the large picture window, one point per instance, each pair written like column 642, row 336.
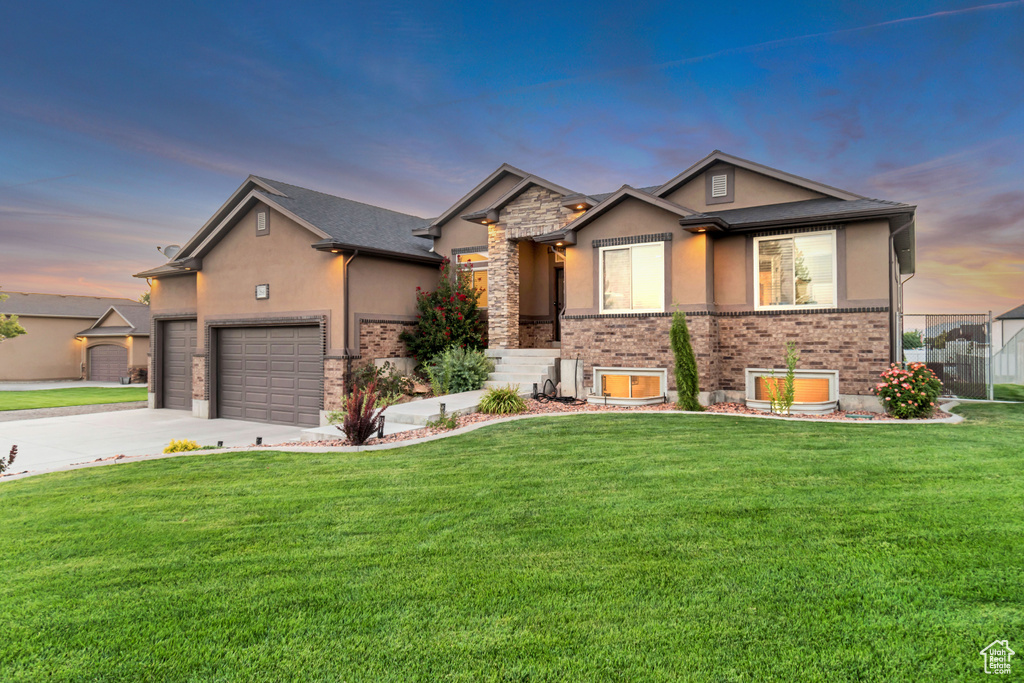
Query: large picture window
column 795, row 271
column 475, row 266
column 633, row 278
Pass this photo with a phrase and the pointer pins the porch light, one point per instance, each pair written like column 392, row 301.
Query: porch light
column 580, row 206
column 558, row 244
column 335, row 251
column 702, row 229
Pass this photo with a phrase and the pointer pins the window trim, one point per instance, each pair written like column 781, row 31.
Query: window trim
column 758, row 306
column 600, row 277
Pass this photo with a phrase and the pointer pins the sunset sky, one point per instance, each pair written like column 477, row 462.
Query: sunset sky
column 124, row 127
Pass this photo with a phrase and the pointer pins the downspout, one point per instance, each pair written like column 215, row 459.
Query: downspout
column 348, row 315
column 897, row 328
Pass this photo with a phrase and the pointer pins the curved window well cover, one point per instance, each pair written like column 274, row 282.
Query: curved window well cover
column 628, row 386
column 816, row 392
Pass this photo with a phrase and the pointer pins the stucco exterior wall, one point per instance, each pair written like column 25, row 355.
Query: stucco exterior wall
column 687, row 269
column 867, row 261
column 302, row 281
column 750, row 188
column 173, row 295
column 384, row 288
column 48, row 350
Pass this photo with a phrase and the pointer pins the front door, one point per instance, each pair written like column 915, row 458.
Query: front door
column 559, row 301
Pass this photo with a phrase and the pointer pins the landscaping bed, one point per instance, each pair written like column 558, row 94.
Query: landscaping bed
column 535, row 407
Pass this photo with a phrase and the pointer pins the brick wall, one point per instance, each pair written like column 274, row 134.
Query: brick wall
column 855, row 344
column 635, row 342
column 536, row 334
column 335, row 374
column 379, row 338
column 198, row 378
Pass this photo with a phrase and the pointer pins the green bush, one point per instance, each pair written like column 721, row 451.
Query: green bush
column 502, row 401
column 687, row 381
column 387, row 378
column 913, row 340
column 181, row 446
column 446, row 421
column 448, row 316
column 455, row 370
column 909, row 392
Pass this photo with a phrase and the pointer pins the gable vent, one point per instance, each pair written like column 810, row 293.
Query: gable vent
column 719, row 185
column 261, row 221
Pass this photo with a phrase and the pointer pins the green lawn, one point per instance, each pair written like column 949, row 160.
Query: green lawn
column 1008, row 392
column 58, row 398
column 620, row 548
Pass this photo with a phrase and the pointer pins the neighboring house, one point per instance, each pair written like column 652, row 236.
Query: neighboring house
column 266, row 309
column 1006, row 326
column 75, row 337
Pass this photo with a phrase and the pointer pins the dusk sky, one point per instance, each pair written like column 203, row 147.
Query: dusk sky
column 124, row 127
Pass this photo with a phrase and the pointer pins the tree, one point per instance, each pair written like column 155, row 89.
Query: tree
column 144, row 298
column 687, row 381
column 913, row 340
column 9, row 326
column 447, row 317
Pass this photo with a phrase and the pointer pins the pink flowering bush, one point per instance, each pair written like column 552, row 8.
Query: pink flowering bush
column 909, row 392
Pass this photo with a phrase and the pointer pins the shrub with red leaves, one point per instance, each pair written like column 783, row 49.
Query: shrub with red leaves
column 448, row 316
column 5, row 463
column 362, row 417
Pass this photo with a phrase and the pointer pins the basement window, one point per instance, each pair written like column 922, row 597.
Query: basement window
column 629, row 386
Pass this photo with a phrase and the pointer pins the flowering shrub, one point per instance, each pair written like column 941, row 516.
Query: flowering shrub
column 446, row 317
column 908, row 392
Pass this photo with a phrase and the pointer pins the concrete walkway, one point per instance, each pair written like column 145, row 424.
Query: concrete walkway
column 64, row 384
column 420, row 412
column 54, row 443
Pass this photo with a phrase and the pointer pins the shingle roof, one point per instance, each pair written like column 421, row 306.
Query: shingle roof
column 1013, row 314
column 605, row 195
column 28, row 303
column 355, row 223
column 810, row 208
column 136, row 314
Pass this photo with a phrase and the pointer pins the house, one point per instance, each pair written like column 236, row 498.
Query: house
column 1007, row 326
column 270, row 304
column 75, row 337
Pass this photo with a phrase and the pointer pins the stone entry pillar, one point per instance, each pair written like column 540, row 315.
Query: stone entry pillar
column 503, row 289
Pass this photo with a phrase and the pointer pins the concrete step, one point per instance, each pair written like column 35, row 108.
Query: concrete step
column 511, row 353
column 518, row 378
column 429, row 409
column 526, row 361
column 524, row 390
column 523, row 369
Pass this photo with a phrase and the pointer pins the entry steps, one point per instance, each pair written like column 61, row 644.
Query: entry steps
column 524, row 367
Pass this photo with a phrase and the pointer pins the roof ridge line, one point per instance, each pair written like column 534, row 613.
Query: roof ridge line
column 346, row 199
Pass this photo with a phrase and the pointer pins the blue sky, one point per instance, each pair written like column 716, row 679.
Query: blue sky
column 123, row 127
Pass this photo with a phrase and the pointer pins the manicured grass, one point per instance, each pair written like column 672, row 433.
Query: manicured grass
column 59, row 398
column 624, row 547
column 1008, row 392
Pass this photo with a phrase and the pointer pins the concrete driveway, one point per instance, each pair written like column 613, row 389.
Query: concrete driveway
column 55, row 442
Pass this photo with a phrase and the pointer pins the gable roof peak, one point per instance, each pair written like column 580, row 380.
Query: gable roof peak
column 718, row 156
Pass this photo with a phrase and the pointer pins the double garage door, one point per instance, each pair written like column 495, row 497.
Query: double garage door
column 270, row 374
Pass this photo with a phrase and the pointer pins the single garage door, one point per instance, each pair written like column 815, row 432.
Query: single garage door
column 108, row 363
column 270, row 374
column 178, row 345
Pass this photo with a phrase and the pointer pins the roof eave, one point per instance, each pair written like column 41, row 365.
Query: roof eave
column 330, row 245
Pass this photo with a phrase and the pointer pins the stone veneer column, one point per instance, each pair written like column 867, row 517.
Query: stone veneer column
column 503, row 290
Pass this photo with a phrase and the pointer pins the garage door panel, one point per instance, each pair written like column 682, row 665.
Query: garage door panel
column 177, row 344
column 279, row 370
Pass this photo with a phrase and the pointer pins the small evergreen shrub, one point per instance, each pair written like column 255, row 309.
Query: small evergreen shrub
column 782, row 395
column 502, row 401
column 457, row 369
column 181, row 446
column 361, row 417
column 909, row 392
column 448, row 316
column 687, row 381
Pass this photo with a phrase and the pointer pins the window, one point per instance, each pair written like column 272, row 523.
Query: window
column 639, row 385
column 633, row 278
column 795, row 271
column 475, row 266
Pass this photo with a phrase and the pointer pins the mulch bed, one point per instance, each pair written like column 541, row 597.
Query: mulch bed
column 535, row 407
